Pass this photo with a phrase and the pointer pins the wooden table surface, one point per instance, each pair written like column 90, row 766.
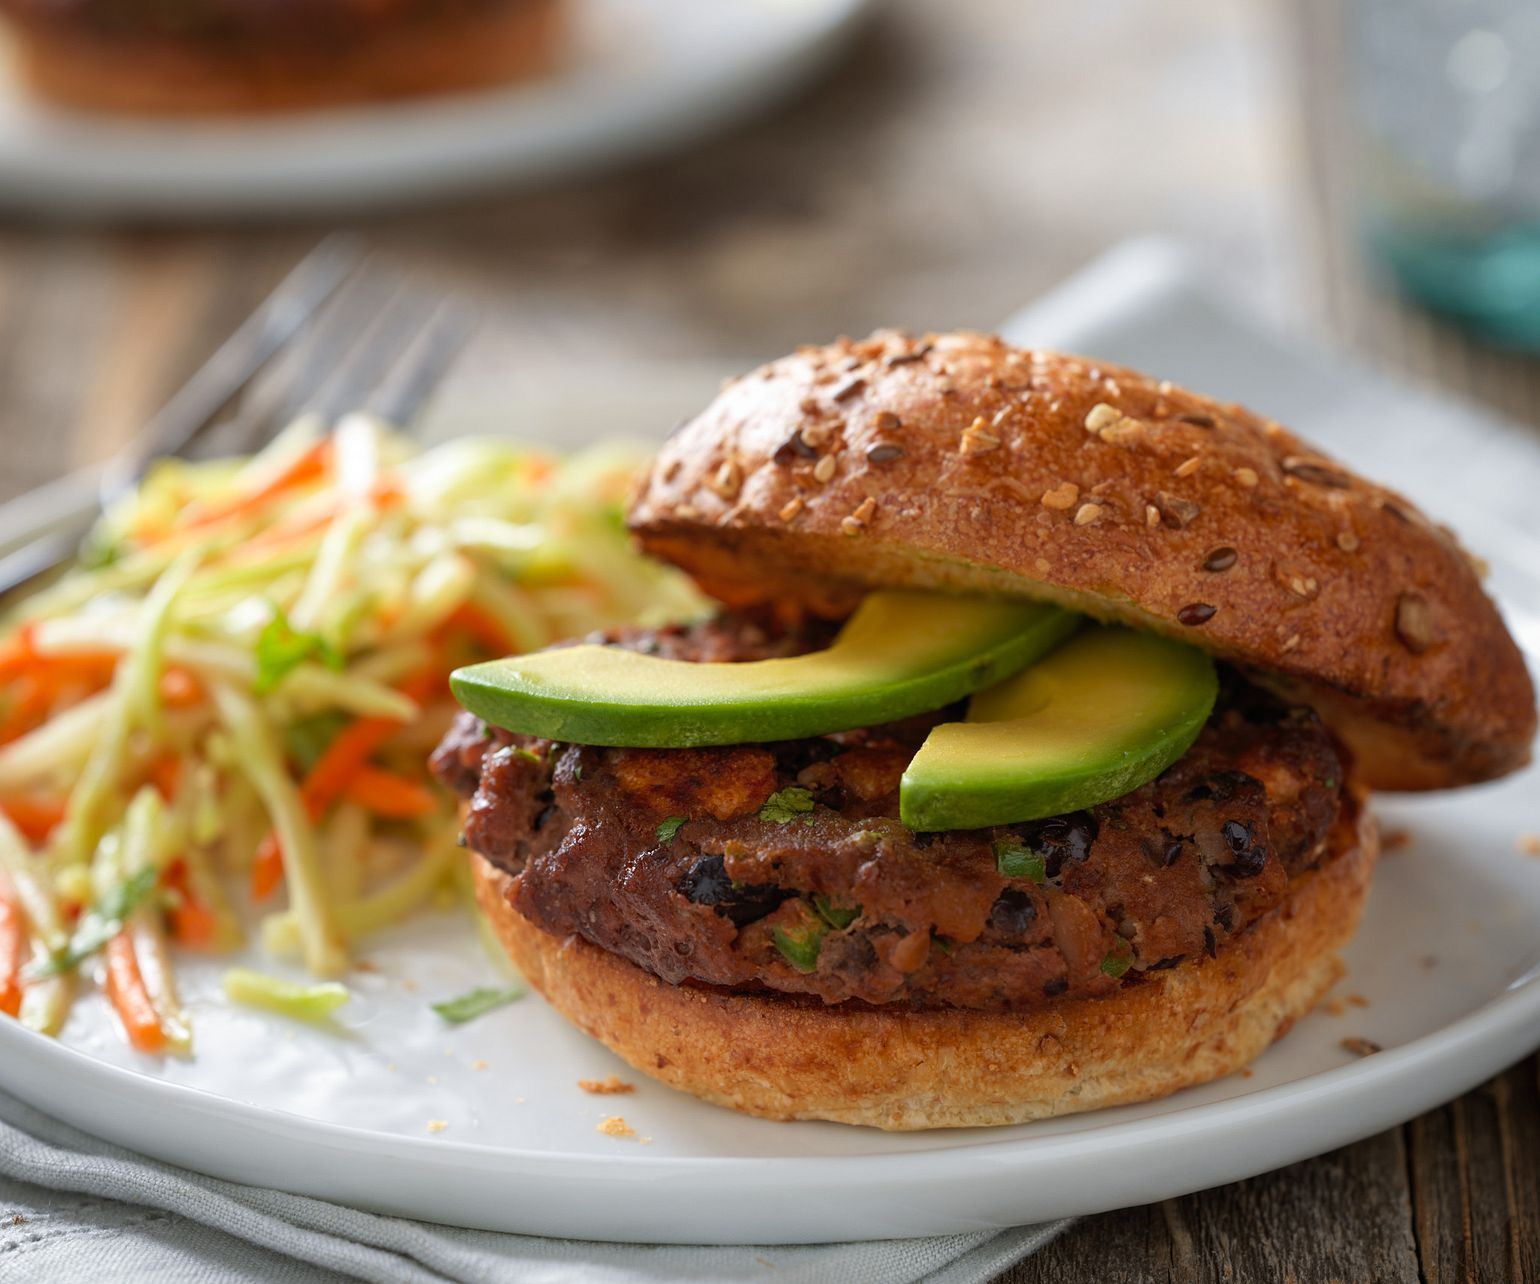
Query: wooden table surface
column 967, row 156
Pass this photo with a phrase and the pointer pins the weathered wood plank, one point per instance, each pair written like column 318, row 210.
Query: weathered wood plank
column 1134, row 1246
column 1518, row 1105
column 1475, row 1174
column 1343, row 1216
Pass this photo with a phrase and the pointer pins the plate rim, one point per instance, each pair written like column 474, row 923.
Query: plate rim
column 1355, row 1099
column 465, row 143
column 1506, row 1011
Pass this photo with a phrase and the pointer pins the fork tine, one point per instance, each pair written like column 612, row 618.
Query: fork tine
column 194, row 407
column 390, row 333
column 292, row 384
column 402, row 394
column 333, row 337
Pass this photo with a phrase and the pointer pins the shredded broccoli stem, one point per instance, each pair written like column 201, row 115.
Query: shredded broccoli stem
column 514, row 612
column 45, row 1004
column 436, row 590
column 288, row 998
column 146, row 840
column 282, row 933
column 146, row 659
column 133, row 692
column 61, row 745
column 344, row 840
column 338, row 547
column 37, row 899
column 319, row 937
column 405, row 563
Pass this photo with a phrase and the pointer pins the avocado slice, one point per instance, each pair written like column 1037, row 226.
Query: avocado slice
column 1106, row 712
column 901, row 653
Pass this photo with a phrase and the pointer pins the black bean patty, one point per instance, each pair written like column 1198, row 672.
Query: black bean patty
column 785, row 867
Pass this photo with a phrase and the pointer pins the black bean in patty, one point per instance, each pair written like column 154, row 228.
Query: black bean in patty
column 708, row 883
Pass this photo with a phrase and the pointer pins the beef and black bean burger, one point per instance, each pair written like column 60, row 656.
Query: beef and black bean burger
column 1024, row 768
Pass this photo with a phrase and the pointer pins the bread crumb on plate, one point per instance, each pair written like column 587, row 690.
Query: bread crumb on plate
column 609, row 1086
column 615, row 1126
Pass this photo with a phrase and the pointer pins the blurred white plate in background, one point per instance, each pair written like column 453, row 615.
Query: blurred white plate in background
column 642, row 76
column 1447, row 964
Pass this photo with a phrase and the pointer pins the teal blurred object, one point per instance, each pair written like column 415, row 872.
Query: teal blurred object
column 1446, row 95
column 1489, row 282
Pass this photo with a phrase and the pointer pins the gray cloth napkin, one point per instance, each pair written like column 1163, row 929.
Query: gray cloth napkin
column 74, row 1208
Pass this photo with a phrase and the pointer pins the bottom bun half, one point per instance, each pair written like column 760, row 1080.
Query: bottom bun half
column 786, row 1058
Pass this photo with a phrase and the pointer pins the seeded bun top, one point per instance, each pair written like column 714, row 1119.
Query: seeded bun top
column 958, row 462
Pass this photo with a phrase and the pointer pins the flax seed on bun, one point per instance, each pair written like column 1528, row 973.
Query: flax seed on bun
column 959, row 462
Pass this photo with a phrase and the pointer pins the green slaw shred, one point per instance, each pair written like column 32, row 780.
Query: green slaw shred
column 190, row 715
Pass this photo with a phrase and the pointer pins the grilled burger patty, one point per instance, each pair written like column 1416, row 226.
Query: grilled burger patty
column 784, row 866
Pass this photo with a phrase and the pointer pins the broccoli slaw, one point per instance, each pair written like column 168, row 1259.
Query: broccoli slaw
column 218, row 720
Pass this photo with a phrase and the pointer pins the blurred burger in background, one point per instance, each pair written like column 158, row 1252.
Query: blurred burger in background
column 252, row 56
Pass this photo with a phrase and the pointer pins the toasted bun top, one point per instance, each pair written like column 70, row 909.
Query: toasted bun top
column 958, row 462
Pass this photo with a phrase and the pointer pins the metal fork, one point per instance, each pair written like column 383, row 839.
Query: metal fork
column 340, row 333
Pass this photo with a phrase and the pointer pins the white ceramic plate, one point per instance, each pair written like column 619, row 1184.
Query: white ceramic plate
column 642, row 75
column 1446, row 966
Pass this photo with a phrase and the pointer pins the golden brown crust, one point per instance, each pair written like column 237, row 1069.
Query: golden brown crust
column 958, row 462
column 902, row 1070
column 79, row 68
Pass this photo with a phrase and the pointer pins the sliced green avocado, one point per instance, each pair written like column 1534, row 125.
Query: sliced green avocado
column 1106, row 712
column 898, row 655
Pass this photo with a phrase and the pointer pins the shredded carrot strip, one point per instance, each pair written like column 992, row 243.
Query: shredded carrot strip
column 36, row 818
column 483, row 628
column 426, row 683
column 89, row 668
column 324, row 784
column 386, row 493
column 310, row 465
column 18, row 652
column 389, row 794
column 267, row 867
column 27, row 710
column 180, row 688
column 130, row 998
column 166, row 774
column 13, row 943
column 343, row 759
column 42, row 678
column 192, row 923
column 46, row 680
column 334, row 770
